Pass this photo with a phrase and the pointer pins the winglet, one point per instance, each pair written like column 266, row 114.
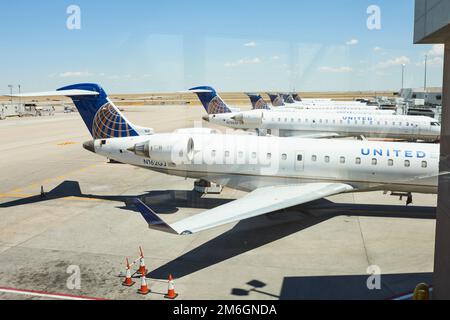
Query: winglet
column 154, row 222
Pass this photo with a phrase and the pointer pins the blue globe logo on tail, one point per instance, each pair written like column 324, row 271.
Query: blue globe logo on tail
column 217, row 106
column 261, row 105
column 108, row 123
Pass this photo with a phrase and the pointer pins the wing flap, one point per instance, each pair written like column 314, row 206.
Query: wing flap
column 256, row 203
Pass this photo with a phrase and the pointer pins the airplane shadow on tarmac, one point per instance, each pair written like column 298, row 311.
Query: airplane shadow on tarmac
column 353, row 287
column 253, row 233
column 164, row 202
column 246, row 235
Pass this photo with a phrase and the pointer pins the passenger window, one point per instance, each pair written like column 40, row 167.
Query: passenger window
column 227, row 154
column 358, row 160
column 424, row 164
column 299, row 158
column 269, row 156
column 342, row 160
column 254, row 155
column 314, row 158
column 327, row 159
column 374, row 162
column 407, row 163
column 284, row 157
column 390, row 163
column 213, row 153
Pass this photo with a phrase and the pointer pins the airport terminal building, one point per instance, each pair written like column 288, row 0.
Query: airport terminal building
column 432, row 26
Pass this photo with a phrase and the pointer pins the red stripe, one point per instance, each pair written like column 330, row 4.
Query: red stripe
column 53, row 294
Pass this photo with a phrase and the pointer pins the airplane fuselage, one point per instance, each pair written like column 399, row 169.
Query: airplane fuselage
column 287, row 124
column 248, row 162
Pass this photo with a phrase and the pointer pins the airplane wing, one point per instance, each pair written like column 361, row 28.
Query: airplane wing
column 256, row 203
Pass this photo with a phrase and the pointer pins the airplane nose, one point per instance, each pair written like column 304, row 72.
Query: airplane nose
column 89, row 145
column 206, row 118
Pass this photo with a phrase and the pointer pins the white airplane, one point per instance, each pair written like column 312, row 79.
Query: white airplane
column 277, row 172
column 283, row 122
column 295, row 98
column 279, row 101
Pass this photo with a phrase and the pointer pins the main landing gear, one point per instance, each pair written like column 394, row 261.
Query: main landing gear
column 408, row 195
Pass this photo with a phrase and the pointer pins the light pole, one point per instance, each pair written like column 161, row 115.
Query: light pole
column 425, row 78
column 403, row 76
column 10, row 91
column 20, row 100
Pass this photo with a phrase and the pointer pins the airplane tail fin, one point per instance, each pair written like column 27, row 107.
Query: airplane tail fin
column 211, row 101
column 297, row 97
column 102, row 118
column 277, row 100
column 258, row 102
column 288, row 98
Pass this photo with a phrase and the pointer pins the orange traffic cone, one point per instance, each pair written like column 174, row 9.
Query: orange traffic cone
column 171, row 294
column 142, row 269
column 144, row 290
column 128, row 280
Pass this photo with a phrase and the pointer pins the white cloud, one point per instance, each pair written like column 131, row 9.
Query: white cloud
column 251, row 44
column 75, row 74
column 336, row 70
column 276, row 58
column 352, row 42
column 437, row 50
column 377, row 49
column 394, row 62
column 243, row 62
column 432, row 61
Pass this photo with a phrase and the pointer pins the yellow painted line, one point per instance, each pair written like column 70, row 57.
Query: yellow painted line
column 62, row 177
column 69, row 198
column 66, row 144
column 12, row 195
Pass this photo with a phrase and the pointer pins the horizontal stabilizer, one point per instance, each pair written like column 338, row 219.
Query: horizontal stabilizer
column 62, row 93
column 199, row 91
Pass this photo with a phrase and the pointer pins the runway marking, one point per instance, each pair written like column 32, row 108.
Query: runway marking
column 59, row 296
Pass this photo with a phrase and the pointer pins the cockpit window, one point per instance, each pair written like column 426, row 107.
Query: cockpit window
column 435, row 124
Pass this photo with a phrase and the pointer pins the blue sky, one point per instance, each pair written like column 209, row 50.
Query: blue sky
column 159, row 46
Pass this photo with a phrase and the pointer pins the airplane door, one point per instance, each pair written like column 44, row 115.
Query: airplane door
column 299, row 161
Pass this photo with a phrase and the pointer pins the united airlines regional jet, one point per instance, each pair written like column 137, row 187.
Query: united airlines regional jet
column 277, row 172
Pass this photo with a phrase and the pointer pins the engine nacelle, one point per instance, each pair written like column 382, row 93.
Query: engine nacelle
column 170, row 148
column 250, row 118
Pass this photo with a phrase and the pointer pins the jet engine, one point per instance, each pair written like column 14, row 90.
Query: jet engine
column 173, row 149
column 249, row 118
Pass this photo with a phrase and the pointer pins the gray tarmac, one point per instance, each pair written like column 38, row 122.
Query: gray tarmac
column 317, row 251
